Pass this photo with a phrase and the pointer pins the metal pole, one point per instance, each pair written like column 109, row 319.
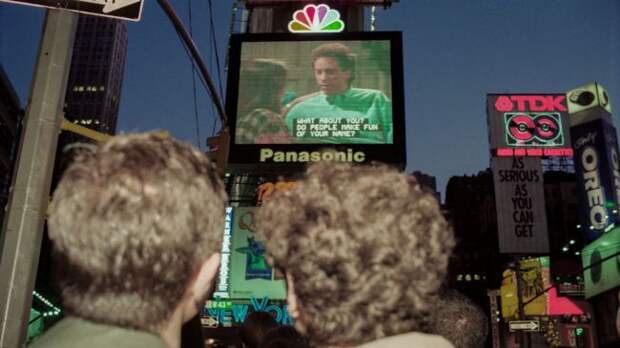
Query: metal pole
column 525, row 336
column 494, row 318
column 23, row 226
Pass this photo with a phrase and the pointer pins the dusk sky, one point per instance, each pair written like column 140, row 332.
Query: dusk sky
column 455, row 52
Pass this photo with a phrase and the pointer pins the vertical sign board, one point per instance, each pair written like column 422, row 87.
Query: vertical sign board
column 598, row 175
column 250, row 274
column 222, row 288
column 520, row 202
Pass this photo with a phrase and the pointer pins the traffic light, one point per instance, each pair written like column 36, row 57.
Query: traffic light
column 218, row 150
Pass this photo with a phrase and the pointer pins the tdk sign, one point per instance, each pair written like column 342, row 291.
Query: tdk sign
column 598, row 172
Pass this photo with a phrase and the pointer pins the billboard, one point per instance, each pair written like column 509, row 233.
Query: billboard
column 520, row 204
column 539, row 294
column 598, row 176
column 601, row 263
column 244, row 272
column 290, row 96
column 528, row 125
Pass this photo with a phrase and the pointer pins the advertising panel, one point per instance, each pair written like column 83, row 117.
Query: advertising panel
column 528, row 125
column 520, row 203
column 537, row 300
column 598, row 176
column 290, row 96
column 601, row 263
column 244, row 272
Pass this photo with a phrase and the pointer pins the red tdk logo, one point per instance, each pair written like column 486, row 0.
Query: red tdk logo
column 534, row 103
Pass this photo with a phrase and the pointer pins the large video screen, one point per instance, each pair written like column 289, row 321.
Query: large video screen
column 315, row 92
column 291, row 95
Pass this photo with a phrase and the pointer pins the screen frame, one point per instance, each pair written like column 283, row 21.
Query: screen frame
column 246, row 157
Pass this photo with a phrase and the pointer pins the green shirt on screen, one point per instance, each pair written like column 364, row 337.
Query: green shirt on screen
column 359, row 116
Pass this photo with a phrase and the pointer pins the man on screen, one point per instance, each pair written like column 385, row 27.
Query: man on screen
column 339, row 113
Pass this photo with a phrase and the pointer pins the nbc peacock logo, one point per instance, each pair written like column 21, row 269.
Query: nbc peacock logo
column 316, row 19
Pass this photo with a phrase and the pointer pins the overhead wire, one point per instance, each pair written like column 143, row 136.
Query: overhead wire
column 196, row 118
column 213, row 42
column 190, row 46
column 215, row 49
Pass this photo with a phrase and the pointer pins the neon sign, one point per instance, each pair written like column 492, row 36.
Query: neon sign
column 526, row 125
column 316, row 19
column 265, row 190
column 223, row 284
column 533, row 129
column 226, row 312
column 534, row 103
column 510, row 152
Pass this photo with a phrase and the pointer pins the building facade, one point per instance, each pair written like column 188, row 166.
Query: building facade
column 95, row 82
column 11, row 116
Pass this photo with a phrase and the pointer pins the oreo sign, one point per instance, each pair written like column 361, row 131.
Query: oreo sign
column 598, row 174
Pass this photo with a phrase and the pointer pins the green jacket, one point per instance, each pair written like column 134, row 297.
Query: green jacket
column 73, row 332
column 360, row 116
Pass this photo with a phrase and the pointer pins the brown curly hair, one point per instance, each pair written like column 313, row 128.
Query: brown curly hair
column 366, row 247
column 131, row 221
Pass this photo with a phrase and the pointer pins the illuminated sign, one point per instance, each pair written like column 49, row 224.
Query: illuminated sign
column 510, row 152
column 268, row 155
column 265, row 190
column 528, row 125
column 533, row 129
column 250, row 274
column 601, row 263
column 227, row 313
column 284, row 112
column 535, row 103
column 316, row 19
column 597, row 167
column 534, row 282
column 222, row 287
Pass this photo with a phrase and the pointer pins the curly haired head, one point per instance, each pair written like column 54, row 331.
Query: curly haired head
column 460, row 320
column 366, row 247
column 343, row 55
column 131, row 220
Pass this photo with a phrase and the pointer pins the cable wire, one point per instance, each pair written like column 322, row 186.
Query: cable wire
column 197, row 59
column 196, row 118
column 217, row 56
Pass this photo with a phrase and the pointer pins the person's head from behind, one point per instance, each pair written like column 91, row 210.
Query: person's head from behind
column 284, row 337
column 255, row 327
column 261, row 85
column 334, row 67
column 136, row 225
column 458, row 319
column 364, row 250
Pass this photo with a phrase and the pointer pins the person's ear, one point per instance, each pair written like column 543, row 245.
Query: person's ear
column 199, row 288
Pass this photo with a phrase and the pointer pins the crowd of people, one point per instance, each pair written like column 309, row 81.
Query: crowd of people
column 137, row 224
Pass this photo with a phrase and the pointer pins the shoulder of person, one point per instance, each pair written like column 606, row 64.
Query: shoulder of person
column 367, row 93
column 407, row 340
column 297, row 101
